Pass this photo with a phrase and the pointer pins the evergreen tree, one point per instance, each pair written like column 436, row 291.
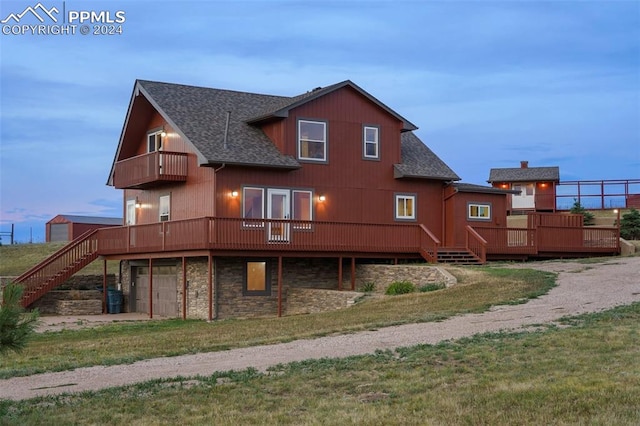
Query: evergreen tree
column 577, row 208
column 16, row 325
column 630, row 225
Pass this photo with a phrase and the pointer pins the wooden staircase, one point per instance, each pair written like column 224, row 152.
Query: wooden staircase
column 458, row 256
column 57, row 268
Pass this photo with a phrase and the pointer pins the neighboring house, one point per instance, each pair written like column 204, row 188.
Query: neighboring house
column 536, row 187
column 66, row 227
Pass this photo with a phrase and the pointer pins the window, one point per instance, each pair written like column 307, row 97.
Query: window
column 312, row 140
column 253, row 205
column 165, row 208
column 256, row 278
column 302, row 207
column 154, row 141
column 405, row 207
column 479, row 211
column 371, row 145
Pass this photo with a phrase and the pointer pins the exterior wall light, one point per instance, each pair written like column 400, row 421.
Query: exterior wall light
column 234, row 194
column 321, row 198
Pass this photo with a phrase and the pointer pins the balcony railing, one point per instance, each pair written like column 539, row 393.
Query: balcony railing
column 144, row 171
column 262, row 234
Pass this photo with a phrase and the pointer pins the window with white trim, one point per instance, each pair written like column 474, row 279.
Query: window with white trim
column 371, row 142
column 165, row 208
column 312, row 140
column 476, row 211
column 154, row 141
column 405, row 207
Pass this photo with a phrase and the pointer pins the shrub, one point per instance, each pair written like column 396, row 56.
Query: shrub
column 16, row 326
column 431, row 287
column 400, row 287
column 630, row 225
column 368, row 287
column 577, row 208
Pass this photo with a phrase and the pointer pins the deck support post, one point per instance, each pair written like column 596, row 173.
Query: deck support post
column 353, row 274
column 151, row 288
column 210, row 284
column 184, row 288
column 279, row 286
column 340, row 273
column 104, row 287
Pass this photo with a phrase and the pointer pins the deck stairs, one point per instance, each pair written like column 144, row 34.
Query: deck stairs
column 458, row 256
column 59, row 267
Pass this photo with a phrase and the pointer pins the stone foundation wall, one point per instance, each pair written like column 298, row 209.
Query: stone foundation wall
column 79, row 307
column 383, row 275
column 49, row 303
column 309, row 300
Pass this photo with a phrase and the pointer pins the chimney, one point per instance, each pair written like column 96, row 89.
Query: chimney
column 524, row 164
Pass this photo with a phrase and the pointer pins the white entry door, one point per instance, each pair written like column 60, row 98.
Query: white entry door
column 527, row 197
column 278, row 206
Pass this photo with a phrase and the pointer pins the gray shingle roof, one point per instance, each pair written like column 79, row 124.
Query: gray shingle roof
column 420, row 162
column 201, row 115
column 527, row 174
column 93, row 220
column 470, row 187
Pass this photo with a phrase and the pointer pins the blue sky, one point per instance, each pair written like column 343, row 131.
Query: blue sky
column 488, row 83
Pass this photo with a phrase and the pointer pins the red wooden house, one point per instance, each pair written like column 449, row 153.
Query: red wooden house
column 535, row 187
column 231, row 199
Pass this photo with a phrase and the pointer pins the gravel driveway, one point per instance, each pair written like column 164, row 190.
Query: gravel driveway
column 581, row 288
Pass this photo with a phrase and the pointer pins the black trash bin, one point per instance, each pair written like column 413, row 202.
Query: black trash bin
column 114, row 301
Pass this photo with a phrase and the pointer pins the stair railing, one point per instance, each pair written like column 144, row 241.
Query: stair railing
column 429, row 244
column 476, row 244
column 57, row 268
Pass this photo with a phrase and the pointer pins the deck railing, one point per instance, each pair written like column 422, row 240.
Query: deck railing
column 147, row 169
column 263, row 234
column 429, row 244
column 550, row 239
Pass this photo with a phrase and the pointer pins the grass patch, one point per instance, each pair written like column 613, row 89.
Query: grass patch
column 19, row 258
column 585, row 374
column 122, row 343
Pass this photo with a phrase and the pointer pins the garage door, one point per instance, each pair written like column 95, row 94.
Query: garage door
column 59, row 232
column 165, row 291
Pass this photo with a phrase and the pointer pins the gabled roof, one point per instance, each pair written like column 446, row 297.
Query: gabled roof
column 222, row 126
column 524, row 174
column 282, row 111
column 418, row 161
column 473, row 188
column 90, row 220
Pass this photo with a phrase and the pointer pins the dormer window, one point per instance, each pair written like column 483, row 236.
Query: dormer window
column 154, row 141
column 312, row 140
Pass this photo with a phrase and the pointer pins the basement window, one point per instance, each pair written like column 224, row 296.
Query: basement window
column 256, row 278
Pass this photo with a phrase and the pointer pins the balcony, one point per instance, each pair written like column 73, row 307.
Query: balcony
column 147, row 170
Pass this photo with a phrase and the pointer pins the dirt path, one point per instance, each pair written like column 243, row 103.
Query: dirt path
column 582, row 288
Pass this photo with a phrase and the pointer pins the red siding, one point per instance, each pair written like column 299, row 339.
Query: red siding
column 457, row 215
